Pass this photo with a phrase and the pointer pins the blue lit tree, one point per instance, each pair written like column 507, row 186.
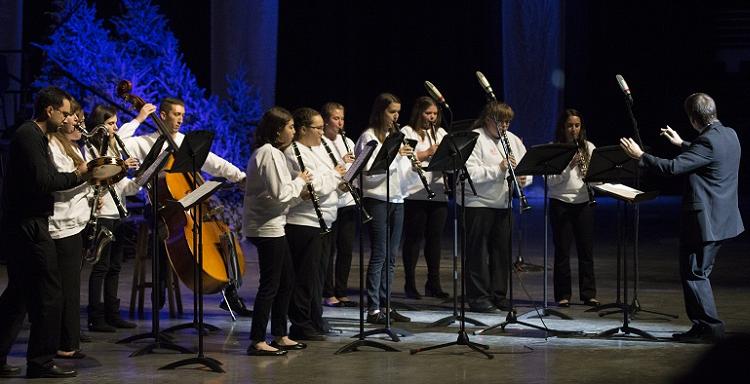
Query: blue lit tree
column 140, row 48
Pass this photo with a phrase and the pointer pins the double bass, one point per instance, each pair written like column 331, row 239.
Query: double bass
column 223, row 259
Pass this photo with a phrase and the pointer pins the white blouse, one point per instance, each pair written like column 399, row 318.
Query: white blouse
column 413, row 185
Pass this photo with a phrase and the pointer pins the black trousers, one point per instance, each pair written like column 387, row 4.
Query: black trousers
column 342, row 232
column 105, row 274
column 696, row 263
column 69, row 254
column 316, row 306
column 33, row 287
column 306, row 247
column 573, row 222
column 488, row 252
column 274, row 288
column 423, row 221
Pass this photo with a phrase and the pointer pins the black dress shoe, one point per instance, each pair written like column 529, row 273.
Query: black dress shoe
column 240, row 310
column 395, row 316
column 375, row 318
column 252, row 351
column 484, row 309
column 77, row 355
column 697, row 335
column 435, row 292
column 50, row 371
column 7, row 370
column 591, row 302
column 502, row 304
column 295, row 347
column 412, row 293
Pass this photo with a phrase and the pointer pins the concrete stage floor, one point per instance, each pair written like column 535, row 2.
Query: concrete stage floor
column 521, row 354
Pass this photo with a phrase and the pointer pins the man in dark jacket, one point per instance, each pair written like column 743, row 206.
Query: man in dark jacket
column 710, row 211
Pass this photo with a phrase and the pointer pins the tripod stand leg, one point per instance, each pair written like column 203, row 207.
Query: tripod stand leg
column 208, row 362
column 394, row 337
column 444, row 322
column 546, row 312
column 627, row 329
column 160, row 345
column 353, row 346
column 603, row 307
column 609, row 332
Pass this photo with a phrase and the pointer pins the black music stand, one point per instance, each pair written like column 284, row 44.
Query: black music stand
column 380, row 165
column 354, row 171
column 149, row 178
column 544, row 160
column 451, row 156
column 458, row 147
column 190, row 158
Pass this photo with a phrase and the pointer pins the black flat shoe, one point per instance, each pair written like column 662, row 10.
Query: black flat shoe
column 7, row 370
column 75, row 356
column 51, row 371
column 349, row 303
column 252, row 351
column 591, row 302
column 295, row 347
column 564, row 303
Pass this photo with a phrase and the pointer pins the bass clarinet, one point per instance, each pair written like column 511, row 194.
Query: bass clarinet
column 313, row 195
column 365, row 216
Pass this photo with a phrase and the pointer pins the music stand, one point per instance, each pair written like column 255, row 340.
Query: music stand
column 191, row 156
column 458, row 147
column 149, row 178
column 354, row 171
column 189, row 159
column 451, row 156
column 381, row 164
column 544, row 160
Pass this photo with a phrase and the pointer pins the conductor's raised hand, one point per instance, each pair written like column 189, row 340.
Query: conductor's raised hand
column 671, row 135
column 631, row 148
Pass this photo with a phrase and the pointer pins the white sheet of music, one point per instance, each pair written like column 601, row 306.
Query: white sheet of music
column 619, row 190
column 195, row 196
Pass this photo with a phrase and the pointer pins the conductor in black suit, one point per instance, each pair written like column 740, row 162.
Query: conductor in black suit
column 710, row 213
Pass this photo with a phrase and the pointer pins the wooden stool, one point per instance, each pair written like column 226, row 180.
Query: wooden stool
column 138, row 289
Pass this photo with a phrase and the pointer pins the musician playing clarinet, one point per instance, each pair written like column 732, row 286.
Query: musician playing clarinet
column 488, row 215
column 571, row 207
column 308, row 224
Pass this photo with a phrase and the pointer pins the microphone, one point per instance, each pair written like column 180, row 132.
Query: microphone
column 624, row 87
column 433, row 91
column 485, row 85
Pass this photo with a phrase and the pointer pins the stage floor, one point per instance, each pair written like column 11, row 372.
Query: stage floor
column 521, row 354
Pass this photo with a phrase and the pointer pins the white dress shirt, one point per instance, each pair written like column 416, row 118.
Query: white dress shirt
column 325, row 183
column 412, row 183
column 375, row 185
column 71, row 208
column 568, row 186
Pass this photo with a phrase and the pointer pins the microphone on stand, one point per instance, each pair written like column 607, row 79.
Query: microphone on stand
column 486, row 86
column 435, row 94
column 624, row 87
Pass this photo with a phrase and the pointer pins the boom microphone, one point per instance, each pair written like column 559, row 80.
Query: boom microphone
column 624, row 87
column 433, row 91
column 486, row 86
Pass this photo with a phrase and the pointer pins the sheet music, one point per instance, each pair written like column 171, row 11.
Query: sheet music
column 364, row 156
column 195, row 196
column 619, row 190
column 145, row 176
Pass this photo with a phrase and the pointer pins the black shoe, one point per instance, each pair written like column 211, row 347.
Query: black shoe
column 349, row 303
column 240, row 310
column 119, row 322
column 502, row 304
column 295, row 347
column 435, row 292
column 564, row 303
column 591, row 302
column 101, row 326
column 252, row 351
column 7, row 370
column 697, row 335
column 375, row 318
column 412, row 293
column 50, row 371
column 77, row 355
column 395, row 316
column 307, row 336
column 482, row 307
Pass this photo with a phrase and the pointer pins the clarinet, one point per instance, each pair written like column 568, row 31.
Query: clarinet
column 417, row 168
column 365, row 216
column 521, row 197
column 447, row 186
column 313, row 195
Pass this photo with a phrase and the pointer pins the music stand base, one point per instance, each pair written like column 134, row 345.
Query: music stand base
column 635, row 307
column 354, row 346
column 446, row 321
column 393, row 333
column 626, row 330
column 159, row 345
column 512, row 318
column 462, row 339
column 192, row 325
column 521, row 266
column 161, row 337
column 602, row 307
column 546, row 312
column 212, row 364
